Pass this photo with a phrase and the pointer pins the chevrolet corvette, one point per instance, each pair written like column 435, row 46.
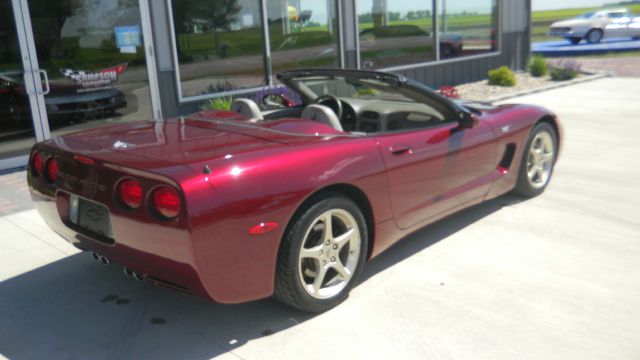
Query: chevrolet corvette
column 286, row 197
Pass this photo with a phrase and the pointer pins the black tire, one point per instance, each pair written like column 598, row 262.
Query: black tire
column 14, row 112
column 288, row 284
column 574, row 40
column 594, row 36
column 524, row 185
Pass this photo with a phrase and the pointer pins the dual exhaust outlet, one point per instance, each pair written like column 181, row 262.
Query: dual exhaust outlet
column 105, row 260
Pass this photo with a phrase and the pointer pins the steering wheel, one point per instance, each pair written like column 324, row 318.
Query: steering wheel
column 332, row 102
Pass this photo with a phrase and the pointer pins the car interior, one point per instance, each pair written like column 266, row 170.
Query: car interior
column 364, row 110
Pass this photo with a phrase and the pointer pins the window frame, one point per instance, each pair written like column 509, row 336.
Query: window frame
column 267, row 64
column 438, row 60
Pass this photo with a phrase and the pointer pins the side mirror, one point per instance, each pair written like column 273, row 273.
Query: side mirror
column 467, row 120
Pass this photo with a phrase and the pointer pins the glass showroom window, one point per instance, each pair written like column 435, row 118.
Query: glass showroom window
column 219, row 45
column 303, row 34
column 467, row 27
column 395, row 32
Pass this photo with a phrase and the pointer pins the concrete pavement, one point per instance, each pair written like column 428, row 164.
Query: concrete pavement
column 555, row 277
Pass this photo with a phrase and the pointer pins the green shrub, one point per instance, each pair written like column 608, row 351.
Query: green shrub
column 564, row 70
column 502, row 76
column 563, row 74
column 538, row 66
column 220, row 103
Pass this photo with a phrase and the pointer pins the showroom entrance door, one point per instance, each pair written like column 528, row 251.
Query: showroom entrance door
column 20, row 88
column 88, row 63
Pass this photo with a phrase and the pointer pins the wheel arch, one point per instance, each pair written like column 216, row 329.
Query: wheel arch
column 355, row 194
column 553, row 121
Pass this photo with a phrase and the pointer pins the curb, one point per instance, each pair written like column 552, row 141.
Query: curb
column 590, row 77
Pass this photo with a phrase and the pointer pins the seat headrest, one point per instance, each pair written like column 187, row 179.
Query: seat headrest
column 247, row 108
column 322, row 114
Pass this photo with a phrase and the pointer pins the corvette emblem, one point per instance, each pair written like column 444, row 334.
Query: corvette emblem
column 94, row 214
column 505, row 129
column 121, row 145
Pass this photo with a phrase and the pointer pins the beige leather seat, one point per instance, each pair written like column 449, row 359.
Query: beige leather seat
column 247, row 108
column 322, row 114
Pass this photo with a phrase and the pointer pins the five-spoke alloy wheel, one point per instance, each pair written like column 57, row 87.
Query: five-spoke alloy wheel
column 538, row 160
column 329, row 254
column 322, row 253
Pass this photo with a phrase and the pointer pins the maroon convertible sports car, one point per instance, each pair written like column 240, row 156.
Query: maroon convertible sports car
column 283, row 199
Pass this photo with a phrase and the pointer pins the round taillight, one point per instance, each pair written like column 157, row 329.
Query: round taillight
column 131, row 193
column 52, row 169
column 166, row 201
column 36, row 162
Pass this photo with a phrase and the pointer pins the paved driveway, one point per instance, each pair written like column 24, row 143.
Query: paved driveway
column 556, row 277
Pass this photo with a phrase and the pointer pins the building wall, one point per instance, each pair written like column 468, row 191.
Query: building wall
column 514, row 52
column 514, row 45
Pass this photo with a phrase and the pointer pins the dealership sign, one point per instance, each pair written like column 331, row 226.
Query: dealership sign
column 93, row 81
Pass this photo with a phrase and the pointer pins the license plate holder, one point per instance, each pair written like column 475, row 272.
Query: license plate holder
column 91, row 216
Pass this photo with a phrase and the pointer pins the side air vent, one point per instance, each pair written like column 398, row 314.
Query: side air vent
column 507, row 158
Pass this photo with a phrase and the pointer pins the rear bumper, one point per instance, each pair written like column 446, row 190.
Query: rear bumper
column 152, row 261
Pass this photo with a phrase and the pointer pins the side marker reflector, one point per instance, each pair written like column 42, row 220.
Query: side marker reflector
column 84, row 160
column 263, row 227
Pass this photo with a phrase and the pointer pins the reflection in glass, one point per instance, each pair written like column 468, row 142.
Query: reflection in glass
column 303, row 34
column 467, row 28
column 219, row 45
column 16, row 127
column 395, row 32
column 93, row 54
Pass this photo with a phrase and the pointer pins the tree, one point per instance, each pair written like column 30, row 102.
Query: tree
column 216, row 14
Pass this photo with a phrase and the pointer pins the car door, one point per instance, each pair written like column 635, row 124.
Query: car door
column 436, row 168
column 618, row 24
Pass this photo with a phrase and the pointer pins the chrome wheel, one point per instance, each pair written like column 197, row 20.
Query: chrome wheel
column 329, row 254
column 540, row 160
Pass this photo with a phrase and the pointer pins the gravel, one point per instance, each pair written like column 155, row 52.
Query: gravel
column 482, row 91
column 619, row 66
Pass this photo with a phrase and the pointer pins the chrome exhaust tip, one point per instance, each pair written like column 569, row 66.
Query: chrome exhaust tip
column 132, row 274
column 99, row 258
column 105, row 260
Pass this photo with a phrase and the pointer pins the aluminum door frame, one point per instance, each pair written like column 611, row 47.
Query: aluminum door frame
column 33, row 74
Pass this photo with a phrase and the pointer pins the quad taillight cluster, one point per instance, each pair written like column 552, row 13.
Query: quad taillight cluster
column 164, row 201
column 48, row 168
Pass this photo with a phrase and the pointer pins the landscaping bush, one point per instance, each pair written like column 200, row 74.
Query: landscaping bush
column 538, row 66
column 564, row 70
column 502, row 76
column 220, row 103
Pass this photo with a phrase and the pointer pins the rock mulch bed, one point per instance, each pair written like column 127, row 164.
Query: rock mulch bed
column 482, row 91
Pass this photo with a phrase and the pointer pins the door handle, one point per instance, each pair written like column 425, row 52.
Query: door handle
column 400, row 149
column 46, row 81
column 42, row 77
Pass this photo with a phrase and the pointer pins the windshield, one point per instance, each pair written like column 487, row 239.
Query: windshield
column 340, row 86
column 588, row 15
column 13, row 77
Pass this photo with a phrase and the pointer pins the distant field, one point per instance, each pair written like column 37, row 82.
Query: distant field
column 540, row 20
